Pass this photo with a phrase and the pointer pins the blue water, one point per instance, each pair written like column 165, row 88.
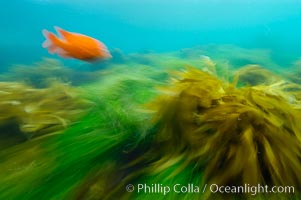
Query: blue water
column 158, row 25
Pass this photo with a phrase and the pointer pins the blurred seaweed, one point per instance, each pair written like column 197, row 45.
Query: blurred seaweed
column 150, row 118
column 295, row 73
column 42, row 74
column 96, row 142
column 35, row 112
column 256, row 75
column 235, row 56
column 207, row 131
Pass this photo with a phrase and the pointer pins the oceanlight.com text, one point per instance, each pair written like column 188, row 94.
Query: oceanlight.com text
column 158, row 188
column 251, row 189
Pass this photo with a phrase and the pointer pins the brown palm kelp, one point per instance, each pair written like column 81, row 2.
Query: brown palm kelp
column 247, row 135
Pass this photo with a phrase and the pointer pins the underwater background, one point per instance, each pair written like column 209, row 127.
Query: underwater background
column 197, row 93
column 153, row 24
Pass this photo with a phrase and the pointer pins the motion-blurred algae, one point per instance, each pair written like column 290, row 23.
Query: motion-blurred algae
column 41, row 74
column 36, row 111
column 256, row 75
column 231, row 136
column 211, row 123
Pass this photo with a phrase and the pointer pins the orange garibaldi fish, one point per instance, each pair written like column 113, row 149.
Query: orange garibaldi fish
column 74, row 45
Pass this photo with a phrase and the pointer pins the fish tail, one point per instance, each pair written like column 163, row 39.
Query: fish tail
column 52, row 42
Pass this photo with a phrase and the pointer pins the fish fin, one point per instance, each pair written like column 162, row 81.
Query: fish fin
column 52, row 49
column 52, row 42
column 64, row 54
column 106, row 54
column 103, row 50
column 63, row 34
column 50, row 38
column 47, row 43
